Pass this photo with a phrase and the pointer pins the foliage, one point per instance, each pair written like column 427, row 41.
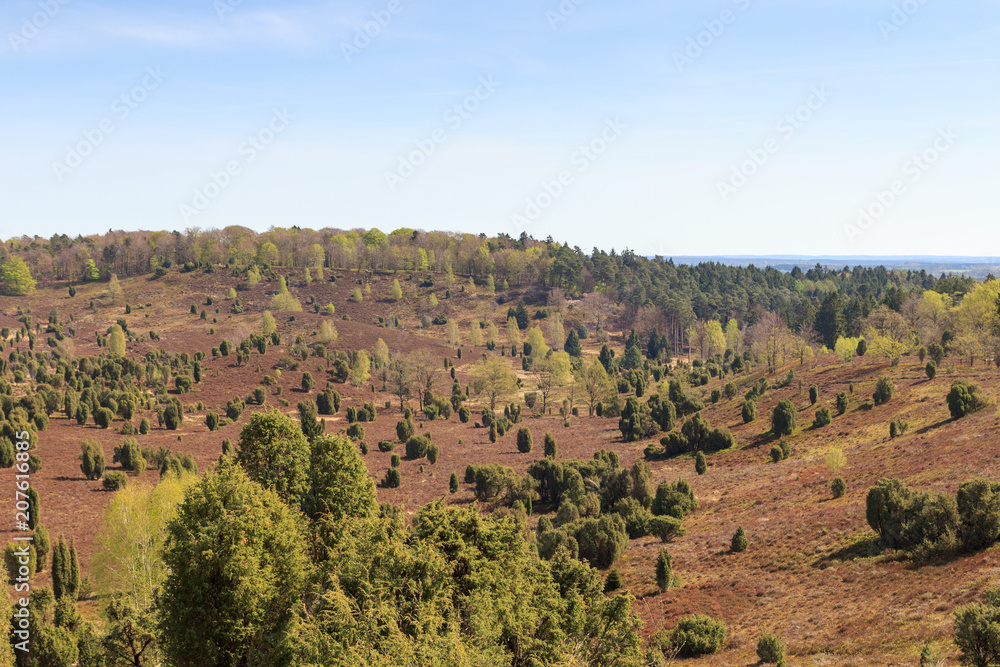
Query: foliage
column 783, row 419
column 240, row 546
column 964, row 399
column 524, row 440
column 739, row 542
column 664, row 569
column 275, row 453
column 770, row 649
column 698, row 635
column 16, row 277
column 884, row 390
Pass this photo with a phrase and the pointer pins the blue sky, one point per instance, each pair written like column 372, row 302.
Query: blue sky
column 669, row 127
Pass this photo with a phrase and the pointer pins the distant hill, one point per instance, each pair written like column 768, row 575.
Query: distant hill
column 975, row 267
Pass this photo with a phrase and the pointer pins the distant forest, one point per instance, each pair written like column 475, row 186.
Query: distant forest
column 648, row 292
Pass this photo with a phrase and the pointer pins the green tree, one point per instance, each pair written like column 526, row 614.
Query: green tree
column 573, row 347
column 396, row 293
column 267, row 323
column 116, row 341
column 830, row 319
column 494, row 378
column 739, row 542
column 239, row 546
column 339, row 485
column 783, row 419
column 275, row 453
column 664, row 570
column 16, row 277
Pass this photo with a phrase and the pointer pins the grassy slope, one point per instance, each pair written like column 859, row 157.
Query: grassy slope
column 795, row 579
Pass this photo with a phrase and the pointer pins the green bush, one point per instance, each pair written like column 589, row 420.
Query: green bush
column 103, row 417
column 784, row 417
column 464, row 414
column 770, row 649
column 739, row 542
column 551, row 449
column 386, row 445
column 977, row 635
column 813, row 394
column 884, row 389
column 393, row 478
column 212, row 421
column 637, row 518
column 453, row 484
column 613, row 581
column 91, row 460
column 838, row 487
column 841, row 403
column 698, row 635
column 964, row 399
column 666, row 528
column 416, row 447
column 405, row 429
column 602, row 541
column 356, row 431
column 432, row 453
column 823, row 418
column 700, row 463
column 664, row 570
column 524, row 440
column 114, row 480
column 930, row 369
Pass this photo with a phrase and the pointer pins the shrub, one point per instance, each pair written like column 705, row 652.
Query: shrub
column 813, row 394
column 405, row 429
column 666, row 528
column 602, row 541
column 613, row 582
column 838, row 487
column 103, row 417
column 749, row 411
column 524, row 440
column 739, row 542
column 144, row 426
column 395, row 461
column 664, row 570
column 453, row 484
column 430, row 412
column 551, row 449
column 776, row 454
column 964, row 399
column 823, row 418
column 356, row 431
column 416, row 447
column 212, row 421
column 637, row 518
column 114, row 480
column 978, row 504
column 930, row 369
column 700, row 463
column 386, row 445
column 884, row 390
column 307, row 381
column 393, row 478
column 783, row 418
column 91, row 460
column 841, row 403
column 464, row 414
column 716, row 396
column 432, row 453
column 698, row 635
column 976, row 634
column 770, row 648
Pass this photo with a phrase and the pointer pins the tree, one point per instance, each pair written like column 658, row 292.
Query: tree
column 115, row 293
column 715, row 339
column 739, row 542
column 16, row 277
column 34, row 509
column 238, row 545
column 783, row 418
column 964, row 399
column 267, row 254
column 513, row 332
column 396, row 292
column 339, row 486
column 307, row 382
column 116, row 341
column 380, row 353
column 573, row 347
column 596, row 382
column 92, row 460
column 664, row 569
column 551, row 373
column 977, row 634
column 275, row 453
column 494, row 378
column 830, row 319
column 267, row 324
column 524, row 440
column 884, row 390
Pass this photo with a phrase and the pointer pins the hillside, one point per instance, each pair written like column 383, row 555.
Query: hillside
column 811, row 574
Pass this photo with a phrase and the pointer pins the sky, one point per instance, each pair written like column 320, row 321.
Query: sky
column 669, row 127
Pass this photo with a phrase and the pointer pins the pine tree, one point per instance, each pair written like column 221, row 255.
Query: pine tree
column 740, row 542
column 73, row 570
column 664, row 570
column 453, row 483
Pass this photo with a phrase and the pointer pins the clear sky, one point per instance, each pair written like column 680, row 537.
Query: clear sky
column 666, row 126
